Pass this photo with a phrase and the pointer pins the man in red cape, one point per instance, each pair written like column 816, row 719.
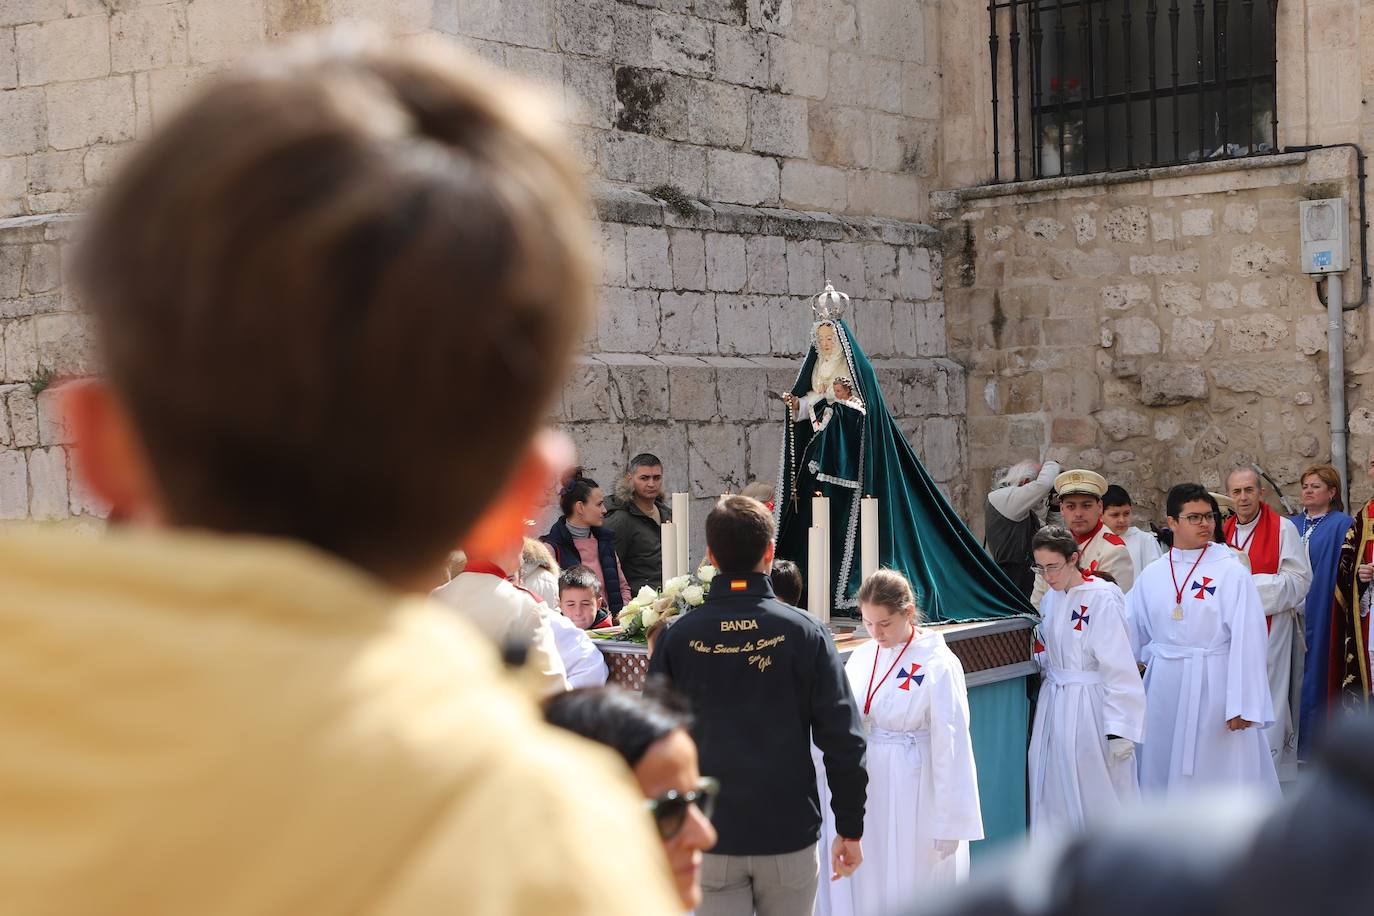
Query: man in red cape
column 1282, row 574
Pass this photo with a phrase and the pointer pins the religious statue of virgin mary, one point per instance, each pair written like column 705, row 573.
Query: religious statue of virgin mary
column 841, row 441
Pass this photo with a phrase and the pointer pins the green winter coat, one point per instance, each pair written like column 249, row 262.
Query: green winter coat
column 638, row 543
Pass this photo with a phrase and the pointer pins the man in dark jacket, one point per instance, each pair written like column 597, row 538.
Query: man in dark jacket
column 634, row 514
column 765, row 682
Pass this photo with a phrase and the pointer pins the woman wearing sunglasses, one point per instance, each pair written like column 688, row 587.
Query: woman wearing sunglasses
column 1091, row 711
column 650, row 733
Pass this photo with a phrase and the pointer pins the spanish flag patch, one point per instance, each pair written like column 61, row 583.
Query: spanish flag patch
column 739, row 585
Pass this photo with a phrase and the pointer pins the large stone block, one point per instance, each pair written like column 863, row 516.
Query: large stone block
column 638, row 386
column 647, row 161
column 1180, row 298
column 589, row 91
column 765, row 449
column 14, row 485
column 42, row 269
column 839, row 136
column 778, row 125
column 1128, row 224
column 942, row 440
column 725, row 271
column 682, row 45
column 612, row 245
column 688, row 322
column 23, row 121
column 95, row 111
column 742, row 56
column 718, row 114
column 807, row 185
column 743, row 324
column 901, row 197
column 1120, row 423
column 651, row 102
column 48, row 484
column 789, row 327
column 63, row 50
column 529, row 23
column 1166, row 384
column 915, row 273
column 1255, row 333
column 861, row 81
column 1164, row 264
column 629, row 321
column 64, row 344
column 688, row 255
column 1190, row 338
column 741, row 389
column 21, row 351
column 798, row 69
column 691, row 388
column 716, row 458
column 871, row 321
column 646, row 257
column 844, row 268
column 148, row 39
column 586, row 392
column 586, row 27
column 222, row 32
column 1257, row 258
column 23, row 410
column 1221, row 296
column 765, row 258
column 740, row 178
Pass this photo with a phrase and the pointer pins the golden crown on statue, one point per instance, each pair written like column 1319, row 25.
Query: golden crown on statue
column 830, row 304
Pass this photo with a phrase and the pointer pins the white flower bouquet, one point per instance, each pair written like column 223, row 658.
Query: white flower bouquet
column 679, row 596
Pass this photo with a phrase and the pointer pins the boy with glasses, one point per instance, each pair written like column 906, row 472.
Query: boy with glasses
column 1198, row 626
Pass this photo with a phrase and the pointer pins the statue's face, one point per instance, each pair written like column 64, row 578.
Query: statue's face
column 827, row 341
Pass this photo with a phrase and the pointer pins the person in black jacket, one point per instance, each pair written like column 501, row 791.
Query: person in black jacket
column 764, row 682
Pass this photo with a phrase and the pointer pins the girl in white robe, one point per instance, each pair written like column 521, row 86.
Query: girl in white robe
column 922, row 784
column 1091, row 711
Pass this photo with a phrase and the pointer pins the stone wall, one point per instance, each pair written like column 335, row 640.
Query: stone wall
column 43, row 338
column 707, row 315
column 1153, row 326
column 817, row 104
column 823, row 107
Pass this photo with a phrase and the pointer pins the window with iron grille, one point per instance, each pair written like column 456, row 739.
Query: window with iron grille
column 1085, row 86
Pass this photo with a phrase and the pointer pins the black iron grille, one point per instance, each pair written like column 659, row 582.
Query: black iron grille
column 1083, row 86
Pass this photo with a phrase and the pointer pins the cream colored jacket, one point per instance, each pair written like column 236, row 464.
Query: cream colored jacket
column 229, row 726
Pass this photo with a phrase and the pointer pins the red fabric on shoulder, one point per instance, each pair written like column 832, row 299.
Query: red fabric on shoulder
column 1263, row 543
column 1112, row 538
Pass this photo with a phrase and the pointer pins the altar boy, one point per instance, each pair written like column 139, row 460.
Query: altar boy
column 1198, row 627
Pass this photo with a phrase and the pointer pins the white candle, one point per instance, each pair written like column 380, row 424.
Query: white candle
column 816, row 602
column 669, row 532
column 681, row 511
column 820, row 518
column 868, row 553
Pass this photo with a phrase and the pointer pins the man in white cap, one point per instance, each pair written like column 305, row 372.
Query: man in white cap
column 1080, row 502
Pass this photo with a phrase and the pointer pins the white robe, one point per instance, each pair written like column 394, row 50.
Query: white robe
column 1144, row 548
column 1284, row 596
column 1091, row 689
column 922, row 783
column 1202, row 670
column 584, row 661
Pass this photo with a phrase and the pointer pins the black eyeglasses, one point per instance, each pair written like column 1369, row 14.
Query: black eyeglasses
column 670, row 810
column 1198, row 518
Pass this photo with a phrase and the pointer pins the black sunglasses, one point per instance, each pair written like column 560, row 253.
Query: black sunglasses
column 670, row 810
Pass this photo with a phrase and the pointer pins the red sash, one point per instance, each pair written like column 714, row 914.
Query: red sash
column 1262, row 545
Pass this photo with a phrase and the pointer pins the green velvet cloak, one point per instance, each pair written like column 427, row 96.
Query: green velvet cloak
column 863, row 453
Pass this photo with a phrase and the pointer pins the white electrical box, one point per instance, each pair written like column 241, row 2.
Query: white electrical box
column 1325, row 236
